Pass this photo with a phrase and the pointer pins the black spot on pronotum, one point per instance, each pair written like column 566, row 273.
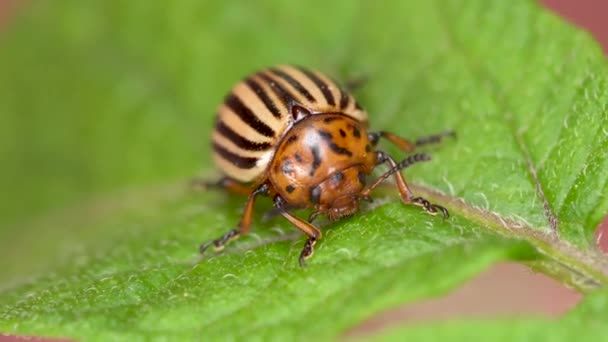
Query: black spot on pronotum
column 337, row 177
column 316, row 159
column 287, row 167
column 342, row 133
column 291, row 139
column 361, row 177
column 325, row 135
column 330, row 119
column 289, row 188
column 315, row 194
column 340, row 150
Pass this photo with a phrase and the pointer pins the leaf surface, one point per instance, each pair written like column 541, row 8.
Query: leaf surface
column 108, row 108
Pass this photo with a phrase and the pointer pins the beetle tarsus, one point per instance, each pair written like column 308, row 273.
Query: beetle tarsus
column 435, row 138
column 308, row 250
column 200, row 184
column 218, row 244
column 313, row 216
column 431, row 208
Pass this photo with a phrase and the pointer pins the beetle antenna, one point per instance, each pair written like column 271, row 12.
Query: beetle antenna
column 413, row 159
column 407, row 162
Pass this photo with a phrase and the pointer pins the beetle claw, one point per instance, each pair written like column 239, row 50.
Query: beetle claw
column 430, row 208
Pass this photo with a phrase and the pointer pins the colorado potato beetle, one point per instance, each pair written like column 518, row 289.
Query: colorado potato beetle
column 296, row 136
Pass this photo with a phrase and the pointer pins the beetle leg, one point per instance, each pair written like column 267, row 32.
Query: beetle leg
column 243, row 227
column 355, row 83
column 313, row 233
column 275, row 211
column 225, row 183
column 404, row 191
column 406, row 145
column 313, row 216
column 435, row 138
column 402, row 143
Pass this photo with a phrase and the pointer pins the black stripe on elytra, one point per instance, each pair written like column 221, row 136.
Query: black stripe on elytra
column 239, row 161
column 294, row 83
column 329, row 97
column 283, row 94
column 239, row 140
column 261, row 93
column 344, row 98
column 239, row 108
column 316, row 159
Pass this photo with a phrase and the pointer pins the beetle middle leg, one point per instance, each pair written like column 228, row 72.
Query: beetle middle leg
column 313, row 233
column 404, row 191
column 405, row 144
column 225, row 183
column 243, row 227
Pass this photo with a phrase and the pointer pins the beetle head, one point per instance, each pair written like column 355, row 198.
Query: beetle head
column 339, row 195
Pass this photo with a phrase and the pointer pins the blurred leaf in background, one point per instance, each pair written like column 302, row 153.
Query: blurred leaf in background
column 107, row 108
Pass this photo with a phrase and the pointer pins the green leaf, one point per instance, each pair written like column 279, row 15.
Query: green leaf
column 107, row 109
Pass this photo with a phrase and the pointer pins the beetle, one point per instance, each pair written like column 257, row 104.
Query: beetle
column 296, row 136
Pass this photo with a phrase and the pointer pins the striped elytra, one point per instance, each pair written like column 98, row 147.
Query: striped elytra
column 260, row 109
column 295, row 136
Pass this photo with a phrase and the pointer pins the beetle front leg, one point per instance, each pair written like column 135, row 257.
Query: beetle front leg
column 404, row 191
column 313, row 233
